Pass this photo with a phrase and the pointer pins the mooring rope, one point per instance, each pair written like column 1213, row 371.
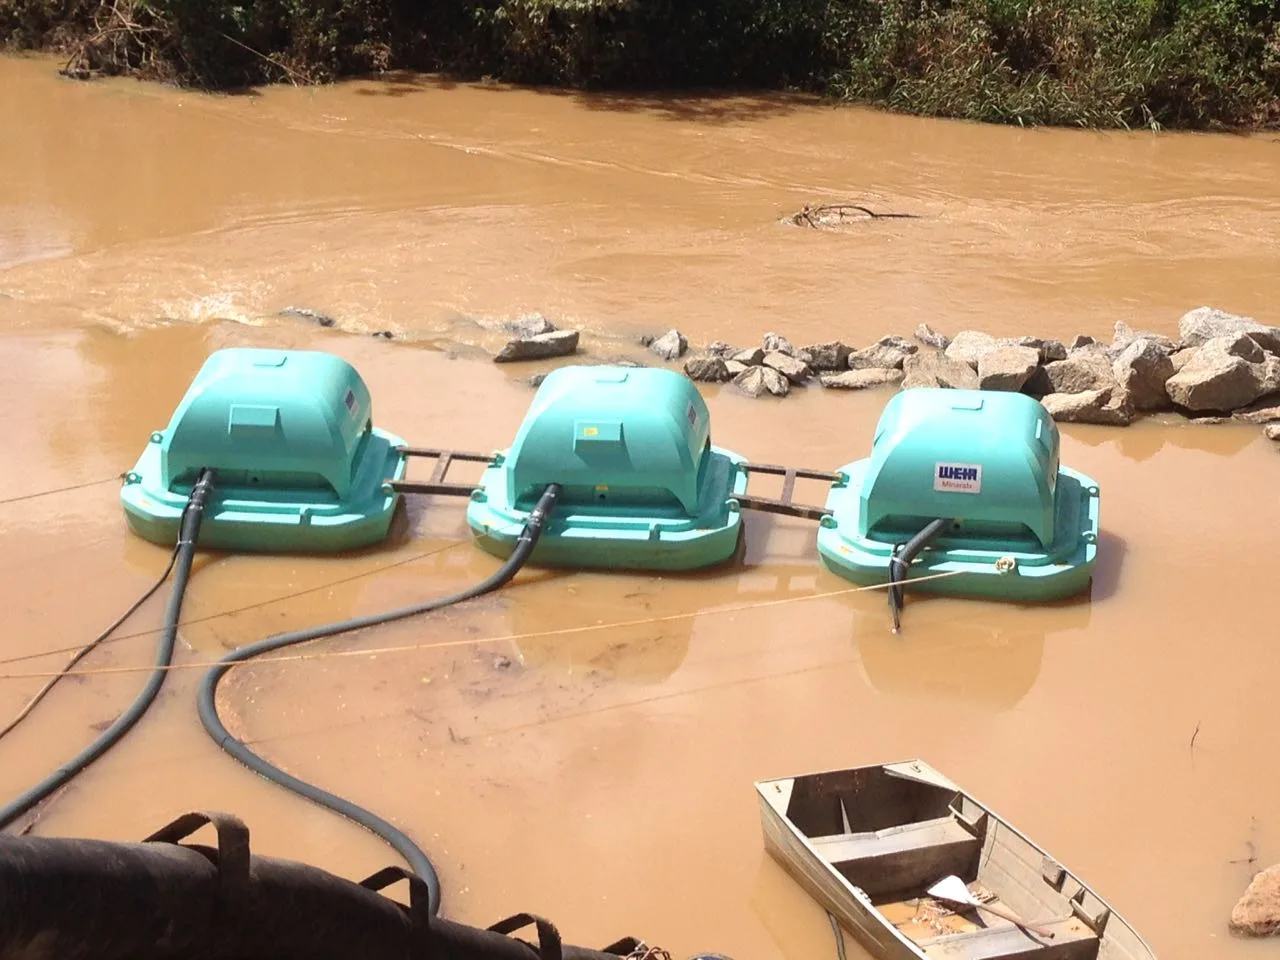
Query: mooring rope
column 281, row 598
column 502, row 638
column 89, row 647
column 77, row 486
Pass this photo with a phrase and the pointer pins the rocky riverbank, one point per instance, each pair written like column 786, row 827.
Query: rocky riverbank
column 1221, row 367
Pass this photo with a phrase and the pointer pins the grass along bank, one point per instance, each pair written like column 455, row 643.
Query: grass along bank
column 1193, row 64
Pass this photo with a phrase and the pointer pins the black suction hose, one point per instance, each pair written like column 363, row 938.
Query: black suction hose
column 399, row 841
column 900, row 561
column 189, row 531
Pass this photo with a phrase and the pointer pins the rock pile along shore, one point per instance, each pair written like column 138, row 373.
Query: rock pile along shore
column 1222, row 366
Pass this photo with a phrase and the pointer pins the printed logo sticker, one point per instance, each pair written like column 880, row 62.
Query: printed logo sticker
column 957, row 477
column 691, row 415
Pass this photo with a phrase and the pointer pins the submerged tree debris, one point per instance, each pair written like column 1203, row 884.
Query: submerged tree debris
column 837, row 214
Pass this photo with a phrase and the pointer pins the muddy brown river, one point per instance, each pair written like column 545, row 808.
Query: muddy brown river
column 604, row 778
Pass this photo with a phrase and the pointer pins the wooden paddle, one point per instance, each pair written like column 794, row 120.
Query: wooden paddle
column 953, row 889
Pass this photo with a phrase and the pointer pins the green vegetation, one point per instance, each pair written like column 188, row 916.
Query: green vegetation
column 1097, row 63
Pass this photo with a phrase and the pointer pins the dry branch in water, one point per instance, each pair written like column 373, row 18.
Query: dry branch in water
column 1250, row 844
column 829, row 214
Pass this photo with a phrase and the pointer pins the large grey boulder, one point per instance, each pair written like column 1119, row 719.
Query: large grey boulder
column 833, row 355
column 1109, row 406
column 757, row 381
column 1257, row 913
column 671, row 345
column 718, row 348
column 1218, row 379
column 860, row 379
column 1270, row 375
column 1242, row 345
column 936, row 370
column 1203, row 324
column 887, row 353
column 1268, row 340
column 1007, row 367
column 1142, row 369
column 706, row 368
column 529, row 325
column 1084, row 369
column 1182, row 357
column 558, row 343
column 751, row 357
column 797, row 371
column 931, row 337
column 1038, row 384
column 968, row 346
column 1049, row 349
column 1262, row 414
column 777, row 343
column 1125, row 335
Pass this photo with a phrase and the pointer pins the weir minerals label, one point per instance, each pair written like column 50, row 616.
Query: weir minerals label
column 957, row 477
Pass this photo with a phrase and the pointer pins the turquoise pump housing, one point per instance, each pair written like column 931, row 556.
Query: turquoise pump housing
column 1024, row 526
column 299, row 465
column 642, row 486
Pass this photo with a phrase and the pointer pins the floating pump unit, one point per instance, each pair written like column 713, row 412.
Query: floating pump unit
column 1017, row 525
column 642, row 487
column 300, row 466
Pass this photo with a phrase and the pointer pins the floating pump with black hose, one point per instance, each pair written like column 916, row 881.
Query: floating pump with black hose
column 642, row 486
column 1021, row 526
column 301, row 467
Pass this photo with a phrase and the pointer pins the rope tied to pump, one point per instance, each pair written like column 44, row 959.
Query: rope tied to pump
column 475, row 641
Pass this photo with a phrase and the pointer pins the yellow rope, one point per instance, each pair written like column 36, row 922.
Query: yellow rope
column 474, row 641
column 75, row 486
column 118, row 637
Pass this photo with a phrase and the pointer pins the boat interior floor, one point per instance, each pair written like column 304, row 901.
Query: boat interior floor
column 954, row 932
column 897, row 865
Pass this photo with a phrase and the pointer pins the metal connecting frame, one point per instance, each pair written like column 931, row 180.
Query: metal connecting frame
column 438, row 485
column 784, row 505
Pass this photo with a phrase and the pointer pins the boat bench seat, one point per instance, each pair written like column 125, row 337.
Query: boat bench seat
column 902, row 857
column 1072, row 940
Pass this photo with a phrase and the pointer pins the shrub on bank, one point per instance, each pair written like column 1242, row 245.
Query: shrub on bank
column 1101, row 63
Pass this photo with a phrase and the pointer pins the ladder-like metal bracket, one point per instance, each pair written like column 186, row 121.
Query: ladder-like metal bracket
column 438, row 484
column 784, row 505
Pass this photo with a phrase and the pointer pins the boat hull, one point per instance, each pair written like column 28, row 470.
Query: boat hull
column 867, row 844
